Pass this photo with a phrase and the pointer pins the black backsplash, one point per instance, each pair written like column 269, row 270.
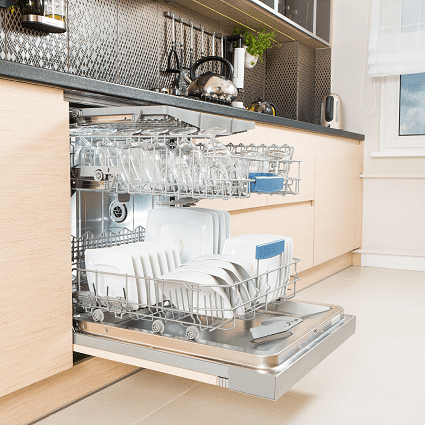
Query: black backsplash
column 127, row 42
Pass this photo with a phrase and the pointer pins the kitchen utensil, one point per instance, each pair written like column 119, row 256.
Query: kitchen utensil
column 173, row 53
column 202, row 42
column 191, row 53
column 212, row 86
column 181, row 45
column 262, row 106
column 278, row 325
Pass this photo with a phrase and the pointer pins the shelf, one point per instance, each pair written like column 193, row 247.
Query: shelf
column 254, row 15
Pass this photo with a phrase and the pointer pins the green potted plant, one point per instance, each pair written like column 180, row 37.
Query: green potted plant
column 255, row 43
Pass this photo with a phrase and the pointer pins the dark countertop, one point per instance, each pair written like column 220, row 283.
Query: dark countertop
column 81, row 84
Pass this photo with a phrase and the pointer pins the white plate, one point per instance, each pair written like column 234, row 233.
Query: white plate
column 216, row 224
column 111, row 261
column 240, row 265
column 287, row 255
column 224, row 229
column 143, row 268
column 195, row 301
column 223, row 278
column 231, row 270
column 164, row 252
column 244, row 246
column 227, row 220
column 171, row 225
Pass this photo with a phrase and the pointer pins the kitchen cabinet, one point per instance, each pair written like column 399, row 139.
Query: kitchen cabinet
column 307, row 21
column 35, row 262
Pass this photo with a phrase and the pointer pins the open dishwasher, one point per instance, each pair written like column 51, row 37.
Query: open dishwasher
column 248, row 335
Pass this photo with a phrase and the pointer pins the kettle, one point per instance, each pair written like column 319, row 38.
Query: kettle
column 262, row 106
column 211, row 86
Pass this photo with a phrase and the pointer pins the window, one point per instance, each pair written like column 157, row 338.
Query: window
column 402, row 126
column 412, row 105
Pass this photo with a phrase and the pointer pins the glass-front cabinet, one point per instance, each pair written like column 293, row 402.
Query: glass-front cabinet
column 313, row 16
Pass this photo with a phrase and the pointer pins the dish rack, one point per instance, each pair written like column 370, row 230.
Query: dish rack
column 181, row 167
column 177, row 301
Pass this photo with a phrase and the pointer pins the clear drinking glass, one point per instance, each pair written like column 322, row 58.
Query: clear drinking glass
column 159, row 161
column 188, row 161
column 219, row 164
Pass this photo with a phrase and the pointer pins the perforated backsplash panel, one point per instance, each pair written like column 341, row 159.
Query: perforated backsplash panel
column 297, row 77
column 322, row 80
column 32, row 47
column 128, row 41
column 305, row 83
column 281, row 79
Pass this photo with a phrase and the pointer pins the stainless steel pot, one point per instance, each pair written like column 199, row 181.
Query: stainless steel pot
column 210, row 85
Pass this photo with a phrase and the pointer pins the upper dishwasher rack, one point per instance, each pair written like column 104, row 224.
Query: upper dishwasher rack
column 111, row 151
column 181, row 167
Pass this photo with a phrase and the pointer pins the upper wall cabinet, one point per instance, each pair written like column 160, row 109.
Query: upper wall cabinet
column 307, row 21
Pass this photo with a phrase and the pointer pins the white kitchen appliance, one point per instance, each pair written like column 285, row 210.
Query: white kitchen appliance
column 331, row 112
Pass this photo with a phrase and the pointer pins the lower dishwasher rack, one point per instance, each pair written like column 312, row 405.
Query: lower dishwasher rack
column 226, row 358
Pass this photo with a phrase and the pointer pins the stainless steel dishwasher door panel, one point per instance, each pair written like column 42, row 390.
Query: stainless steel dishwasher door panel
column 222, row 357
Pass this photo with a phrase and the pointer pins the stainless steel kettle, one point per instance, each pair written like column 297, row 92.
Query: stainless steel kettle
column 262, row 106
column 210, row 85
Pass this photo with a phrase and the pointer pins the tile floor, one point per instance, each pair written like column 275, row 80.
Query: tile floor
column 376, row 378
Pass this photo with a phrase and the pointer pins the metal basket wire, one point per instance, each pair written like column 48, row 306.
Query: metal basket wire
column 177, row 166
column 183, row 302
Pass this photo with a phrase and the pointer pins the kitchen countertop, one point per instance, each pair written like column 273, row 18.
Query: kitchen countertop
column 81, row 84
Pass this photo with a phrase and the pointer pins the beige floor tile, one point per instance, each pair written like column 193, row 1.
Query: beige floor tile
column 388, row 292
column 418, row 417
column 390, row 329
column 209, row 405
column 366, row 379
column 327, row 291
column 124, row 403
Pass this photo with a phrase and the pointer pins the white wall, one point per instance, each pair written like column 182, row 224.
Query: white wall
column 393, row 208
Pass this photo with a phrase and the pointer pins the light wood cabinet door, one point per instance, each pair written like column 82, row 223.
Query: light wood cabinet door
column 35, row 260
column 338, row 197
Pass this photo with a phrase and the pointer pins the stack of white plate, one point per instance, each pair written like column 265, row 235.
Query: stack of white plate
column 244, row 247
column 141, row 261
column 217, row 277
column 196, row 231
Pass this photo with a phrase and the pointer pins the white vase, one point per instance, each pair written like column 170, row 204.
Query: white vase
column 250, row 60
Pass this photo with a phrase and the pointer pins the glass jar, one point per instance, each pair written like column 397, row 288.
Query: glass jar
column 31, row 7
column 55, row 9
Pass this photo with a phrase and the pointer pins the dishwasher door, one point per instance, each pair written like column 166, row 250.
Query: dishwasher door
column 227, row 358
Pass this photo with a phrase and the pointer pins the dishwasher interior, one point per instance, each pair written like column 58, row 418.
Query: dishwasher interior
column 134, row 168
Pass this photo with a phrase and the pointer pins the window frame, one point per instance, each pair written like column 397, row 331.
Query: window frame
column 391, row 144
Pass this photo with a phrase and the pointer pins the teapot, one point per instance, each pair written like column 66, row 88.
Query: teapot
column 262, row 106
column 210, row 85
